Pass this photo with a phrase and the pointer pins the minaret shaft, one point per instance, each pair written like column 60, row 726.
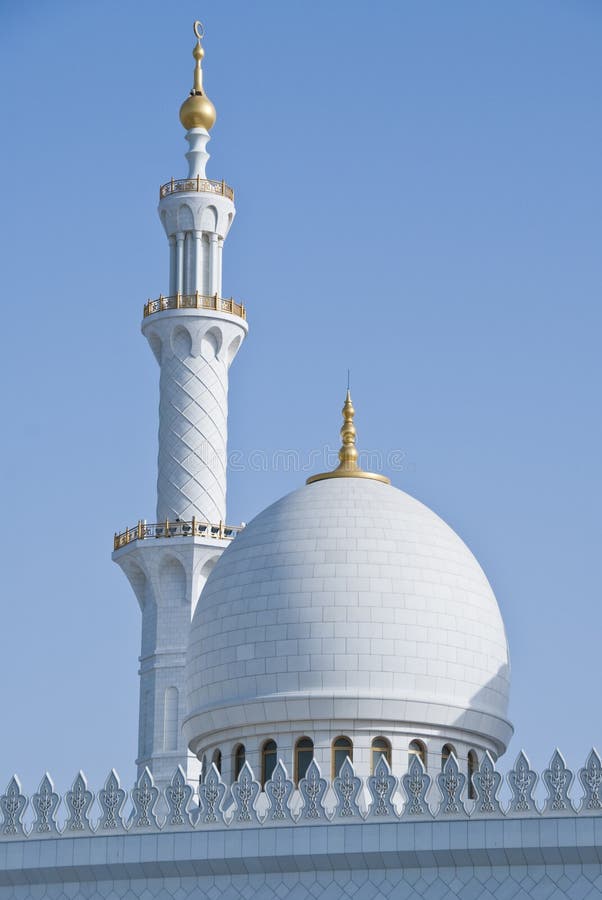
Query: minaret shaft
column 194, row 335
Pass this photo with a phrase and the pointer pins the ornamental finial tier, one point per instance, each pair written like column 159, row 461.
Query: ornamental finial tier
column 198, row 111
column 348, row 466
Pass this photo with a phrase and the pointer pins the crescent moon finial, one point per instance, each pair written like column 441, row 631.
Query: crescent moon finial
column 198, row 30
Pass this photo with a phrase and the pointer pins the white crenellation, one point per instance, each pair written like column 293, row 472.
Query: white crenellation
column 591, row 779
column 278, row 790
column 45, row 803
column 416, row 784
column 522, row 780
column 381, row 788
column 111, row 799
column 144, row 798
column 244, row 792
column 451, row 782
column 78, row 802
column 347, row 788
column 316, row 800
column 487, row 783
column 558, row 780
column 178, row 795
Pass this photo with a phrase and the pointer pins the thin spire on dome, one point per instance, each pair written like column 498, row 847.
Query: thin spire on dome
column 348, row 466
column 198, row 111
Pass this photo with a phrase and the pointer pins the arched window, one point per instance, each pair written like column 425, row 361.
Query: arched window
column 203, row 769
column 380, row 747
column 239, row 759
column 342, row 748
column 304, row 753
column 417, row 748
column 269, row 758
column 446, row 752
column 217, row 760
column 473, row 765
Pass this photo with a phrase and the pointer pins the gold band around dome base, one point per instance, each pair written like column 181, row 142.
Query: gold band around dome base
column 348, row 467
column 340, row 473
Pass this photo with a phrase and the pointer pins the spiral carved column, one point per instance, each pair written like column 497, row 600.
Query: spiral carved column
column 194, row 352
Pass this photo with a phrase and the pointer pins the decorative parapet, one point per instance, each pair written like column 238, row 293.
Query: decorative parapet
column 382, row 797
column 195, row 301
column 167, row 529
column 198, row 185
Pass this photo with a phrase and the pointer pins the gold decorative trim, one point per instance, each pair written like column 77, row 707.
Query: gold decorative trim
column 167, row 529
column 348, row 455
column 196, row 185
column 195, row 301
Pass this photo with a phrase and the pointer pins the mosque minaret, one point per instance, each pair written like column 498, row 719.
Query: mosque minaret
column 194, row 334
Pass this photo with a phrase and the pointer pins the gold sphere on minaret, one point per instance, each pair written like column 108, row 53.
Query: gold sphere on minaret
column 197, row 111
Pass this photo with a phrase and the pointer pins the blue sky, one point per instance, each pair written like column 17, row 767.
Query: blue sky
column 418, row 194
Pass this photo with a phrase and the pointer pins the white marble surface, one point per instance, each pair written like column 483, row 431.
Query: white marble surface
column 348, row 606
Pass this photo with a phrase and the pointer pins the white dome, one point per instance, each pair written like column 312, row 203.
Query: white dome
column 348, row 600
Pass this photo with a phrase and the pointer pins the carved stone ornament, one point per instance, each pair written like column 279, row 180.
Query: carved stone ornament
column 522, row 780
column 347, row 787
column 416, row 784
column 178, row 795
column 78, row 801
column 144, row 798
column 312, row 789
column 211, row 796
column 382, row 786
column 112, row 800
column 244, row 793
column 558, row 780
column 13, row 803
column 451, row 784
column 591, row 779
column 486, row 782
column 279, row 789
column 45, row 802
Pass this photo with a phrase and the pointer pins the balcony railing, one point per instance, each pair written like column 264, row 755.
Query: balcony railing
column 195, row 301
column 199, row 184
column 142, row 531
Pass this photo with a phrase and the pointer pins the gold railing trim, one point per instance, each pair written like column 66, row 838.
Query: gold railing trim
column 197, row 185
column 195, row 301
column 143, row 531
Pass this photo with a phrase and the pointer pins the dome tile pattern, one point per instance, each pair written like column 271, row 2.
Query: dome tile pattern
column 353, row 590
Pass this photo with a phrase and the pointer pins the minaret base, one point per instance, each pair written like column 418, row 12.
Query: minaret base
column 167, row 576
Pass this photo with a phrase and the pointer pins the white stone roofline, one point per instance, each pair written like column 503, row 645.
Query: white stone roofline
column 382, row 797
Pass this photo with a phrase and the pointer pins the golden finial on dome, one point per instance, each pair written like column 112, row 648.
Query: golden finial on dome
column 348, row 467
column 197, row 111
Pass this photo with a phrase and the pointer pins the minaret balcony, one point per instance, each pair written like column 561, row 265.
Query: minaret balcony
column 195, row 301
column 195, row 528
column 199, row 185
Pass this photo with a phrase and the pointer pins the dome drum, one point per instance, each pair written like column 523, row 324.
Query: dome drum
column 361, row 735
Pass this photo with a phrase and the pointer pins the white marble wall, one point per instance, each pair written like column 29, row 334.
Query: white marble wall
column 167, row 575
column 552, row 858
